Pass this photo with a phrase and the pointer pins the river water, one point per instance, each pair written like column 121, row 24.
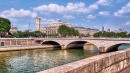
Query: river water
column 32, row 61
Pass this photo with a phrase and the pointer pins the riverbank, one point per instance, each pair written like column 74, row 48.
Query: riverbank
column 24, row 47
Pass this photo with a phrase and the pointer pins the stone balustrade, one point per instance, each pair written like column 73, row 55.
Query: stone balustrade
column 106, row 63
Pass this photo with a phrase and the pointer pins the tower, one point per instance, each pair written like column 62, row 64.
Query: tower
column 38, row 24
column 102, row 28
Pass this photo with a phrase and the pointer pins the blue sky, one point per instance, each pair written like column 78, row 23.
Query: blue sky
column 113, row 14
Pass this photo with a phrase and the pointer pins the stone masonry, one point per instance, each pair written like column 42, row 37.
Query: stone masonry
column 106, row 63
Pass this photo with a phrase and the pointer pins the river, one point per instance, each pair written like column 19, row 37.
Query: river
column 32, row 61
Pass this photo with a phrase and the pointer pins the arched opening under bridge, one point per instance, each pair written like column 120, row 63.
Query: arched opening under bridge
column 117, row 47
column 76, row 44
column 52, row 43
column 81, row 44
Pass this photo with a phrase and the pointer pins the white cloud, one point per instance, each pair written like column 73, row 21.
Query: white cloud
column 104, row 2
column 93, row 7
column 69, row 8
column 91, row 16
column 46, row 21
column 68, row 17
column 125, row 9
column 12, row 13
column 50, row 8
column 127, row 23
column 104, row 13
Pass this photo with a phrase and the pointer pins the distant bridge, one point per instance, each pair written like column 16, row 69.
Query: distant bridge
column 103, row 44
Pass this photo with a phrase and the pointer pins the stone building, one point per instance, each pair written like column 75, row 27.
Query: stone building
column 13, row 29
column 86, row 31
column 121, row 30
column 38, row 24
column 53, row 27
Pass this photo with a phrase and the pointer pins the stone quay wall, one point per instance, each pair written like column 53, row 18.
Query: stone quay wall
column 14, row 48
column 106, row 63
column 16, row 41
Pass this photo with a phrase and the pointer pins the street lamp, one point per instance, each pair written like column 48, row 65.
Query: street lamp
column 0, row 34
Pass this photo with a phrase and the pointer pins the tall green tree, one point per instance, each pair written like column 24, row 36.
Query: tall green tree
column 63, row 30
column 4, row 25
column 67, row 31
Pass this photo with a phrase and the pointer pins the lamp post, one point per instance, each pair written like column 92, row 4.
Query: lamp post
column 28, row 29
column 0, row 34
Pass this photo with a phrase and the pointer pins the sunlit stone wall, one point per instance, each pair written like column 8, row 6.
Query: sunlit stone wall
column 16, row 41
column 106, row 63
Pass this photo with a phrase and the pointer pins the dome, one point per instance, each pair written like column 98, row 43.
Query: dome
column 57, row 23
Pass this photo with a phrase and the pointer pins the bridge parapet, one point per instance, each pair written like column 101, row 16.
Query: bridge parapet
column 106, row 63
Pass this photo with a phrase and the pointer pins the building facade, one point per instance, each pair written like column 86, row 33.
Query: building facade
column 53, row 27
column 86, row 31
column 38, row 24
column 13, row 29
column 121, row 30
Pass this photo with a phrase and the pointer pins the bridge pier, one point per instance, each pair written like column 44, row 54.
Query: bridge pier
column 63, row 47
column 102, row 49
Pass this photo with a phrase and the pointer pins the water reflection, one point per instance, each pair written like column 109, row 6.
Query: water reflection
column 124, row 46
column 32, row 61
column 91, row 48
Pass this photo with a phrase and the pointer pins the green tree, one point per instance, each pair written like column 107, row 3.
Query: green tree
column 98, row 34
column 67, row 31
column 28, row 34
column 88, row 35
column 122, row 34
column 4, row 25
column 128, row 35
column 111, row 34
column 64, row 30
column 39, row 34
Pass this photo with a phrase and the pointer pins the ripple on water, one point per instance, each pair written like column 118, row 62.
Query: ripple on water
column 31, row 61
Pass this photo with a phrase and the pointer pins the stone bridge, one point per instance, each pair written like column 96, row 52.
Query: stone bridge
column 103, row 44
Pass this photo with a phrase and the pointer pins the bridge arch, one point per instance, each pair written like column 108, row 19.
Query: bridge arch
column 53, row 43
column 78, row 44
column 114, row 47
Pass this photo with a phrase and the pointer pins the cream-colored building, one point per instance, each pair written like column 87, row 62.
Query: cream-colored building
column 13, row 29
column 53, row 27
column 86, row 31
column 38, row 24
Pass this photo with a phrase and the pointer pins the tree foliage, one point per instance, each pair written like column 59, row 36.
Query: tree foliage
column 112, row 34
column 67, row 31
column 28, row 34
column 4, row 25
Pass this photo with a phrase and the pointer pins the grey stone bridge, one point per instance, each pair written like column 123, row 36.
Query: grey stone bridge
column 103, row 44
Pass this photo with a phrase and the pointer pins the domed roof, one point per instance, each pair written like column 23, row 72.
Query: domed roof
column 57, row 23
